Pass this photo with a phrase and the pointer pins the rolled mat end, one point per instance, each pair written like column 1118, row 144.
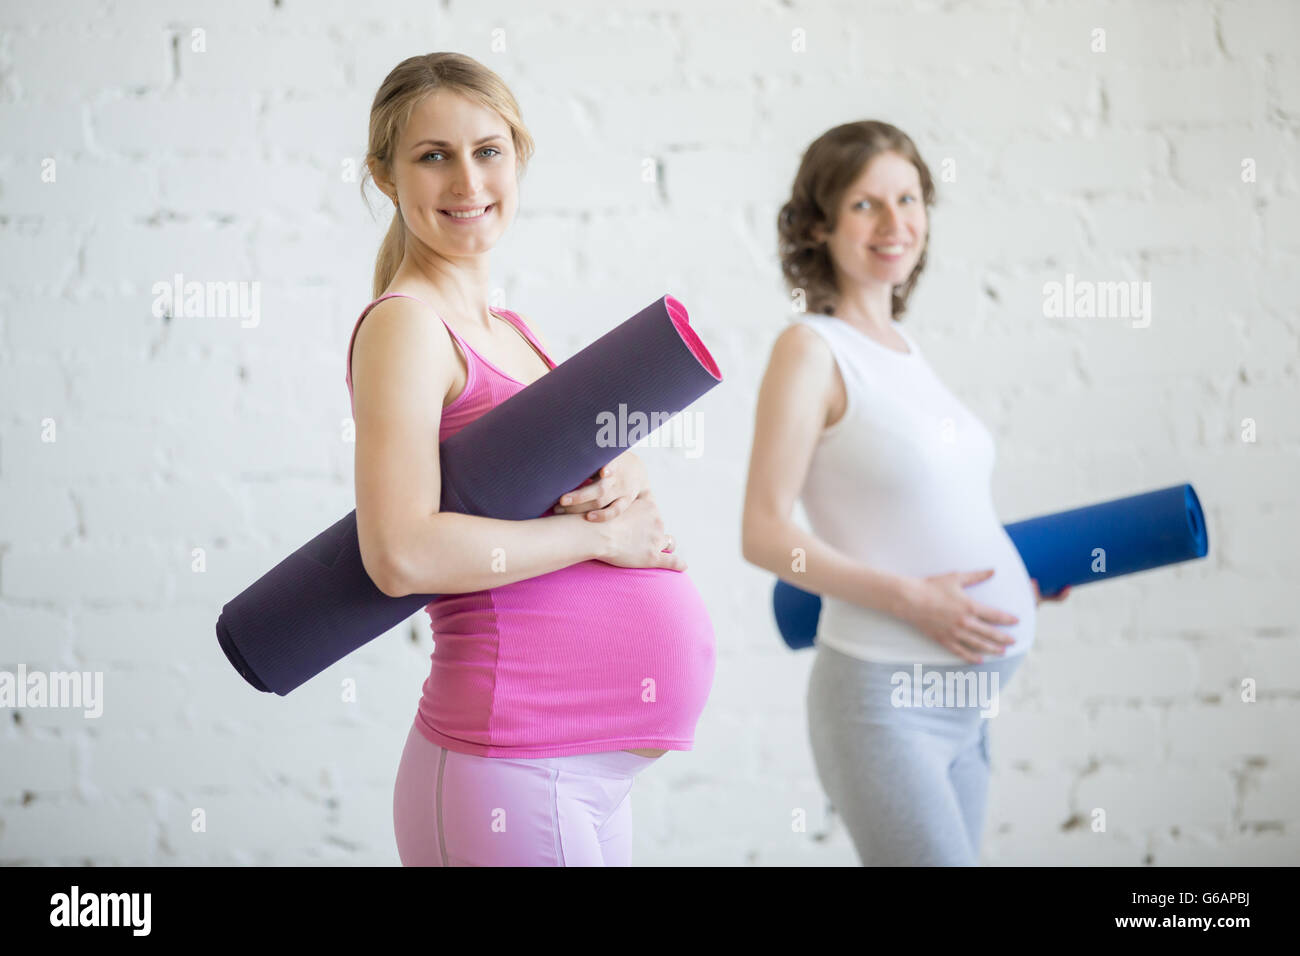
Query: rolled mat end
column 1196, row 522
column 682, row 323
column 797, row 613
column 236, row 659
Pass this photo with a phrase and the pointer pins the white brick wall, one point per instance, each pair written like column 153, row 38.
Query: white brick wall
column 195, row 433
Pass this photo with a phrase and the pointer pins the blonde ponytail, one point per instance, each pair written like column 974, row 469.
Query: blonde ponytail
column 390, row 255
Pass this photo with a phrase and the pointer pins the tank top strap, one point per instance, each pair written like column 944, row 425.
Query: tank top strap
column 514, row 319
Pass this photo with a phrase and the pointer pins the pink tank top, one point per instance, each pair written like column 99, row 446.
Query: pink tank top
column 589, row 658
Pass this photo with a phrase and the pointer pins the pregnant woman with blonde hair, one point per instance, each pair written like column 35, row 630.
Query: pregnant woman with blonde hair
column 571, row 651
column 894, row 474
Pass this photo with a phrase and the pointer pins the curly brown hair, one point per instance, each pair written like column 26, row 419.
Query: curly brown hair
column 829, row 166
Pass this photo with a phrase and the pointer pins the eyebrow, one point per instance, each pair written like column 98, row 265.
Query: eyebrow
column 860, row 194
column 440, row 142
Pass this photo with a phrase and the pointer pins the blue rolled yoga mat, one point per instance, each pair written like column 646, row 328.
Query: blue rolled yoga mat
column 1136, row 533
column 514, row 462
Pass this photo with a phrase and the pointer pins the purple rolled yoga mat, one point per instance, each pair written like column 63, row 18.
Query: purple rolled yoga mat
column 514, row 462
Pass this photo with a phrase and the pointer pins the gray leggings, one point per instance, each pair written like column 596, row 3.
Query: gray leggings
column 910, row 782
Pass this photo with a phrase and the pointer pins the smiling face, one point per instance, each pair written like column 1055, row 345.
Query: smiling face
column 880, row 225
column 455, row 156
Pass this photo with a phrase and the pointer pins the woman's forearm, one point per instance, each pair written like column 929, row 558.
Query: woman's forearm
column 781, row 547
column 451, row 553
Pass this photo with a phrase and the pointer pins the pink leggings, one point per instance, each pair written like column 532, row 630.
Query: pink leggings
column 455, row 809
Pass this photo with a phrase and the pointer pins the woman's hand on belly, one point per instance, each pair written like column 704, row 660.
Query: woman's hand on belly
column 939, row 607
column 636, row 538
column 607, row 493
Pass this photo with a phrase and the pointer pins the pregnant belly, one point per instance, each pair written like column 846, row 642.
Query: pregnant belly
column 634, row 646
column 927, row 549
column 1008, row 589
column 672, row 591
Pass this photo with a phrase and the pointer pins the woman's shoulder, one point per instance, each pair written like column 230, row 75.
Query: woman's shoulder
column 399, row 326
column 806, row 334
column 396, row 315
column 801, row 355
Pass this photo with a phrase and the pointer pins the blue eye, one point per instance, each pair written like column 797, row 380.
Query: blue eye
column 861, row 201
column 484, row 149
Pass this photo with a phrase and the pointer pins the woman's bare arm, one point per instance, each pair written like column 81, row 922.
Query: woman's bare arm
column 403, row 364
column 793, row 403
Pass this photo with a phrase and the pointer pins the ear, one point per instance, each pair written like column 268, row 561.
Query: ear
column 386, row 187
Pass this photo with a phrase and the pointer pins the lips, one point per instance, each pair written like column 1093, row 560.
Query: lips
column 468, row 213
column 892, row 253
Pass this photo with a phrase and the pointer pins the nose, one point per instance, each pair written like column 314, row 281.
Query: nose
column 890, row 219
column 467, row 181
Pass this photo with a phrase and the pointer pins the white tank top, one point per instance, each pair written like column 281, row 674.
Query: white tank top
column 902, row 482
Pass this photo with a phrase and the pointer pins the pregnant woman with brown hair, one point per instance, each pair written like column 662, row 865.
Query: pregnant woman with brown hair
column 915, row 570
